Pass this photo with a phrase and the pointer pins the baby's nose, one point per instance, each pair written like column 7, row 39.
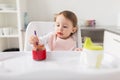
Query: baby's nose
column 60, row 28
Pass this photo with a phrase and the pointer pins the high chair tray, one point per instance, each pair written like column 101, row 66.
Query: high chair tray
column 59, row 65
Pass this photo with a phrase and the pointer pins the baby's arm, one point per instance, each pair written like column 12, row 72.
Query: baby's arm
column 43, row 40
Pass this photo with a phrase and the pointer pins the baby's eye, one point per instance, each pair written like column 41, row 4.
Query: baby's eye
column 57, row 25
column 65, row 27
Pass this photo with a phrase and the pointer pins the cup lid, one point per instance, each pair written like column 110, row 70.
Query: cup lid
column 94, row 47
column 90, row 45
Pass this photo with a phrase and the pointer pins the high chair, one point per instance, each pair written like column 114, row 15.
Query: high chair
column 43, row 28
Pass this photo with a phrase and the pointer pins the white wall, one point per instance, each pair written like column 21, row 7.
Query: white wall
column 105, row 12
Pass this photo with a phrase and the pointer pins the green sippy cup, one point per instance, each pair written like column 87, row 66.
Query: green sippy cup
column 93, row 53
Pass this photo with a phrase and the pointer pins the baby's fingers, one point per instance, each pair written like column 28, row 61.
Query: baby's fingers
column 33, row 39
column 78, row 49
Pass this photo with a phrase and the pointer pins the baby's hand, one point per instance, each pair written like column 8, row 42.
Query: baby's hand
column 34, row 40
column 39, row 47
column 36, row 44
column 78, row 49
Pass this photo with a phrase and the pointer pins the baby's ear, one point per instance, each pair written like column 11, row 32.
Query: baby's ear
column 74, row 29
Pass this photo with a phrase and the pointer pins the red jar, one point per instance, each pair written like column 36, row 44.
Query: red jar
column 39, row 55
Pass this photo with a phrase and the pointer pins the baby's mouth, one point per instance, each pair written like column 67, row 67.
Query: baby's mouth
column 59, row 33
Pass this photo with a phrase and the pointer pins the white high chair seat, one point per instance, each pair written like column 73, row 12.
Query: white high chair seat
column 43, row 28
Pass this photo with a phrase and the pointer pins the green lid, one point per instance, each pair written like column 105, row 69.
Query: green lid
column 89, row 45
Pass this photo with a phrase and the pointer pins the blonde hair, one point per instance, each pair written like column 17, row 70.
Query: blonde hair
column 69, row 15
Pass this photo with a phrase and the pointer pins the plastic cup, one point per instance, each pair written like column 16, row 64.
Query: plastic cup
column 92, row 58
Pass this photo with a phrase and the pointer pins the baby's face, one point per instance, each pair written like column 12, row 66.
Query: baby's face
column 64, row 27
